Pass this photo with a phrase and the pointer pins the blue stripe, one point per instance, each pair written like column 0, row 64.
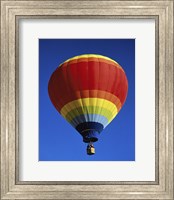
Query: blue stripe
column 90, row 118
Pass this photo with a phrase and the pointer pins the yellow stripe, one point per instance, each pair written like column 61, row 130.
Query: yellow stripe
column 89, row 102
column 90, row 56
column 90, row 110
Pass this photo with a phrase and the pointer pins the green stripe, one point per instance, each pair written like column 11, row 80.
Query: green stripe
column 89, row 110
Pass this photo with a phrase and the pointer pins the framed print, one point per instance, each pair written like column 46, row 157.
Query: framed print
column 65, row 141
column 86, row 99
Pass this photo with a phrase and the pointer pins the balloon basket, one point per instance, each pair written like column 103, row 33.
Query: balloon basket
column 90, row 150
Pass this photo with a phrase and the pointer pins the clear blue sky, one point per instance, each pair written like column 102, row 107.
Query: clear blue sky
column 58, row 140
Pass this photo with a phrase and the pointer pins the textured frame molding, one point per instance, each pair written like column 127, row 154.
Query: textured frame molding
column 162, row 12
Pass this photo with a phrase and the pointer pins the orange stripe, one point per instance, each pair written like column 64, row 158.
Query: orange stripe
column 91, row 59
column 98, row 94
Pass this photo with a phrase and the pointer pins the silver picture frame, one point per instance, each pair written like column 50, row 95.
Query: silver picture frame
column 11, row 12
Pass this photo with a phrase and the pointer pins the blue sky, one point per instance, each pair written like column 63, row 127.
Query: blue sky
column 58, row 140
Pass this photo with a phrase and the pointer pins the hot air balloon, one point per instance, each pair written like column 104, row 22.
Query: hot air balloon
column 88, row 91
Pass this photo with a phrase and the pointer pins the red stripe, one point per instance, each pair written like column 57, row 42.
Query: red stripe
column 73, row 80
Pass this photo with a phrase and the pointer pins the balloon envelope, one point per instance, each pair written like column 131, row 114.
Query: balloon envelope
column 88, row 91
